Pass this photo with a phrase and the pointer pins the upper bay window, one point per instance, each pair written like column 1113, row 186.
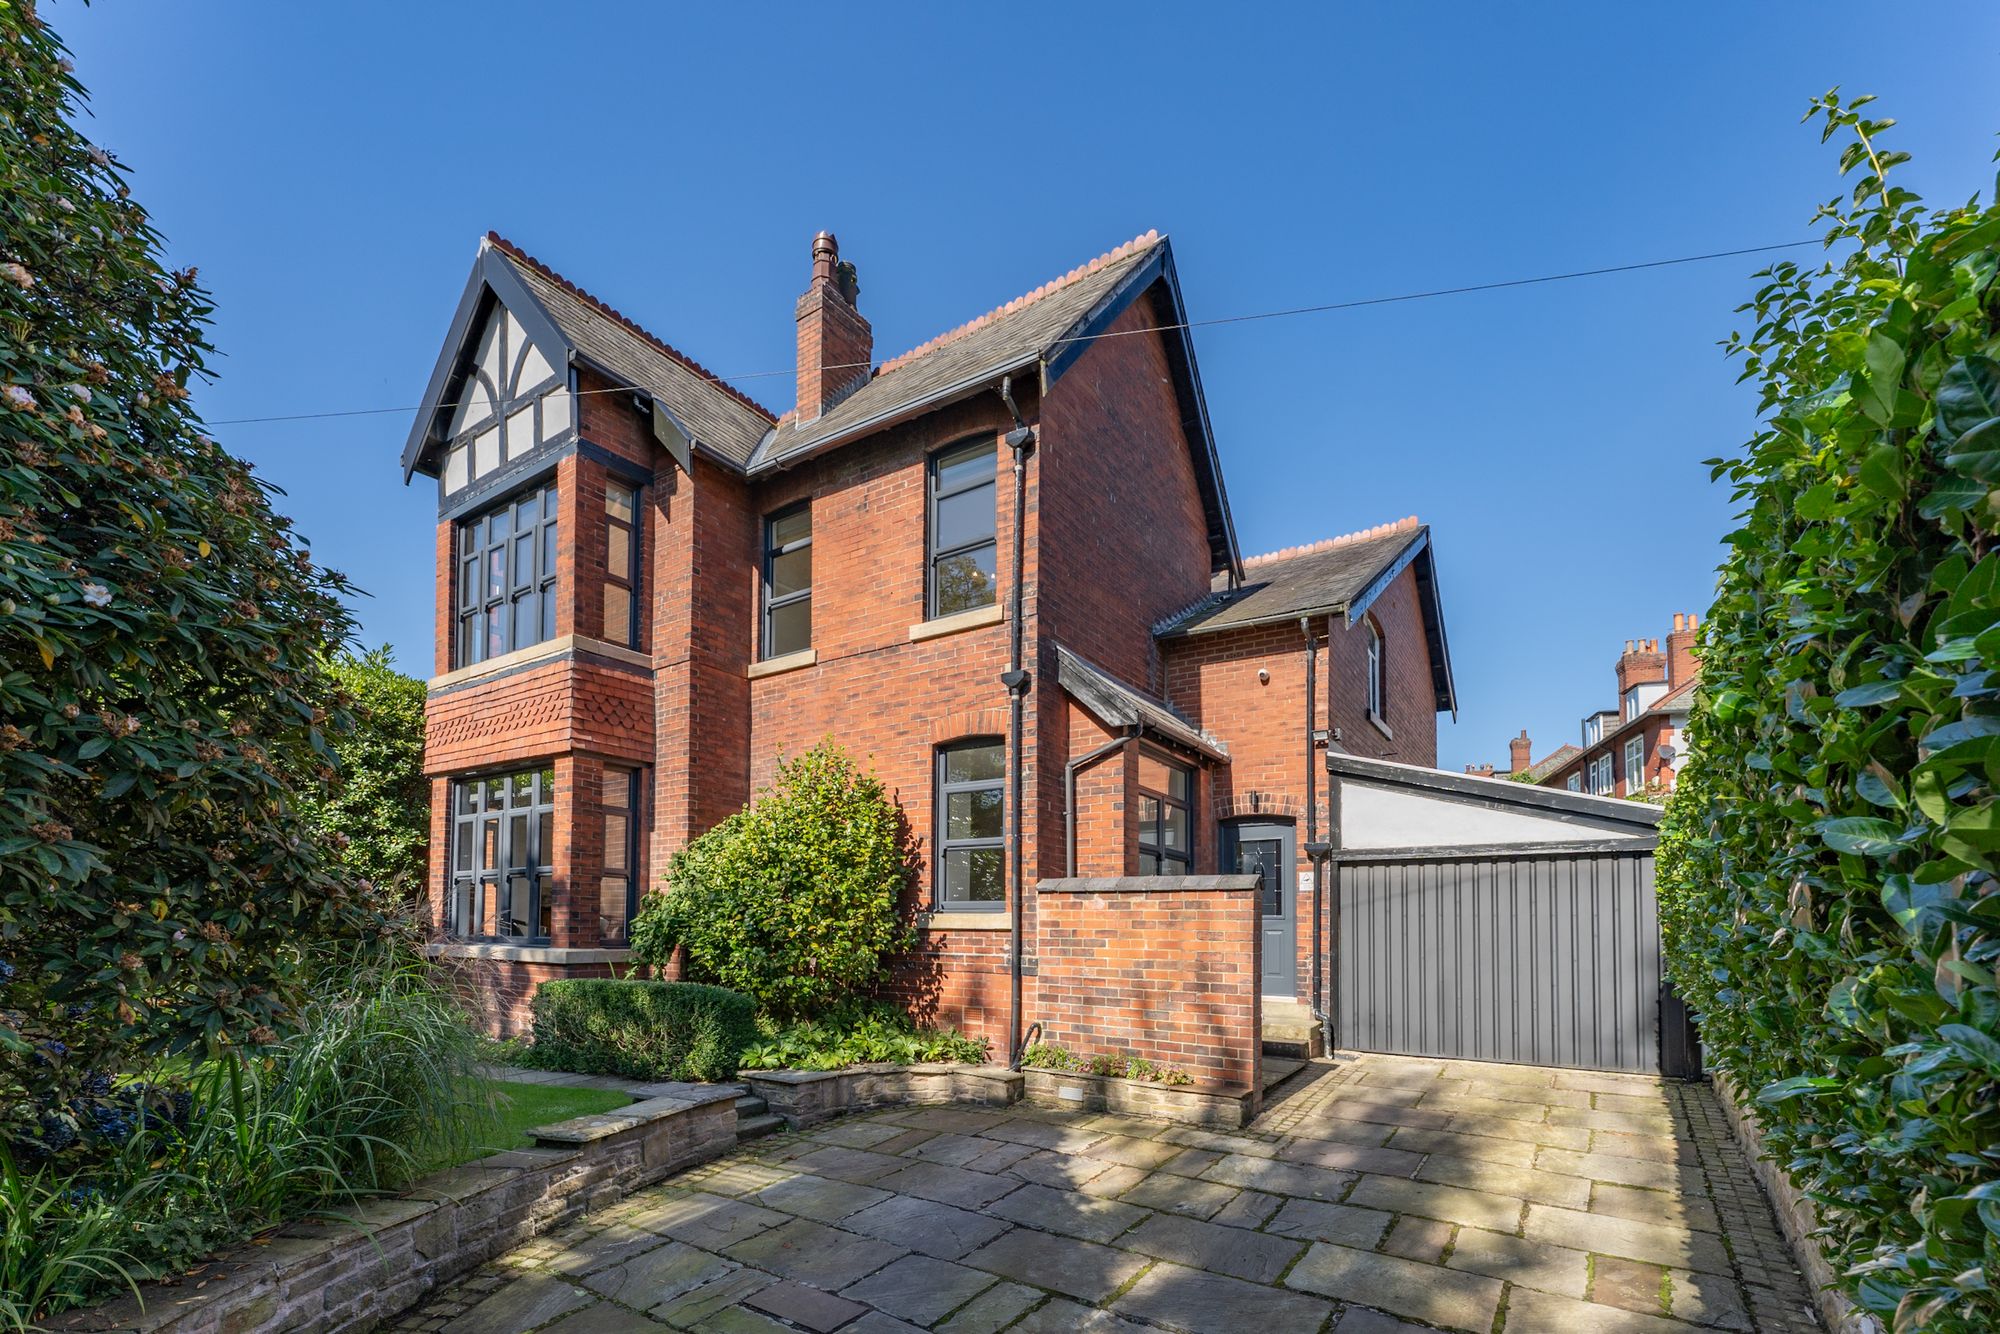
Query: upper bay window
column 1166, row 822
column 962, row 528
column 507, row 577
column 788, row 577
column 511, row 400
column 502, row 856
column 968, row 834
column 621, row 564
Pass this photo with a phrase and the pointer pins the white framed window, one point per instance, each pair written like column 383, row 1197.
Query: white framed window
column 1376, row 694
column 1635, row 766
column 1576, row 782
column 1600, row 775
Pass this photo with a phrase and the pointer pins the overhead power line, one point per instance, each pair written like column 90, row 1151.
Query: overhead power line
column 1286, row 313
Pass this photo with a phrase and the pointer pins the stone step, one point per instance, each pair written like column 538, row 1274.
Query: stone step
column 1291, row 1032
column 756, row 1127
column 750, row 1106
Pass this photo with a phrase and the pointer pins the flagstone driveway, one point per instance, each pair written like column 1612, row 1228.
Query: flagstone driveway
column 1375, row 1191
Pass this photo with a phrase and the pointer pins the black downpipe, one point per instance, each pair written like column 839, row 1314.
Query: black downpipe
column 1316, row 1003
column 1070, row 771
column 1022, row 441
column 1331, row 874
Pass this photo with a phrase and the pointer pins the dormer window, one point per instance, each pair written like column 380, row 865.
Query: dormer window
column 510, row 401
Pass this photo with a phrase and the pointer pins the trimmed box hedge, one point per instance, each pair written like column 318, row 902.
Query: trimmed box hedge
column 642, row 1030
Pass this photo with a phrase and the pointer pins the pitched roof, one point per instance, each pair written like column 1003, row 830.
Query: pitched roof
column 1119, row 705
column 1013, row 337
column 730, row 423
column 1310, row 580
column 1554, row 760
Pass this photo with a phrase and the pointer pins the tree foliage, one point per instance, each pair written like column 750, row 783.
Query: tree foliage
column 376, row 813
column 1828, row 865
column 161, row 640
column 796, row 900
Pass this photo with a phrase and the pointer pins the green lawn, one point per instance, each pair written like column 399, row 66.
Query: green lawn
column 525, row 1106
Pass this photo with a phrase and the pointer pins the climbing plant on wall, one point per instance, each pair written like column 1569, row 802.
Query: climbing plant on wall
column 1827, row 872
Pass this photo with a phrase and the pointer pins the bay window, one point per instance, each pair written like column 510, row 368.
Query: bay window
column 507, row 577
column 502, row 856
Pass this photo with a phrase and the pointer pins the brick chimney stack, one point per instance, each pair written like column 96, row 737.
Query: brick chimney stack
column 1640, row 663
column 1681, row 665
column 836, row 345
column 1520, row 753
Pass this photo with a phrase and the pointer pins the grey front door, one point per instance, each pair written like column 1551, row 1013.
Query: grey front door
column 1265, row 850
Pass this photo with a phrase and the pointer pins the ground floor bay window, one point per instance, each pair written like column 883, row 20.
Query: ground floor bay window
column 502, row 854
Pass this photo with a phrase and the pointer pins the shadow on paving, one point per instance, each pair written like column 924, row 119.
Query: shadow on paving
column 1375, row 1194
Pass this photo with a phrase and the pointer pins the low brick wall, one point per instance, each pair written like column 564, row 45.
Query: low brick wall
column 1157, row 967
column 1214, row 1108
column 389, row 1253
column 1797, row 1219
column 806, row 1097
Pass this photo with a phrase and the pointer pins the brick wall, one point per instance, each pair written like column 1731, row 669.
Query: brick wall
column 1161, row 969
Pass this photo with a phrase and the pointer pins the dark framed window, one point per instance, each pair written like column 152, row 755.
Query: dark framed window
column 1166, row 816
column 1376, row 695
column 969, row 831
column 788, row 578
column 502, row 856
column 507, row 577
column 962, row 528
column 621, row 564
column 618, row 886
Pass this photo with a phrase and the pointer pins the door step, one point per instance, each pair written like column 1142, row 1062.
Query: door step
column 1291, row 1033
column 755, row 1119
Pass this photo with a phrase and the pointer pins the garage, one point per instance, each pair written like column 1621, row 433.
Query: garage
column 1482, row 919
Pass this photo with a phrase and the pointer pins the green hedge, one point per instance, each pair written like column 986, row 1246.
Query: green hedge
column 642, row 1030
column 1827, row 868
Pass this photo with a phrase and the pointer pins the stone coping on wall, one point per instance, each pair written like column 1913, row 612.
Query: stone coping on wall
column 806, row 1097
column 371, row 1260
column 1148, row 884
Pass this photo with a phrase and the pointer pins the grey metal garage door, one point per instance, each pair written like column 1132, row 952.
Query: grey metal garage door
column 1541, row 954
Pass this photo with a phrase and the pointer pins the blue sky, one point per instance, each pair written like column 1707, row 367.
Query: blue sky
column 331, row 167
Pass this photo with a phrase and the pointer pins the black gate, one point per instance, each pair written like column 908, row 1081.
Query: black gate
column 1544, row 954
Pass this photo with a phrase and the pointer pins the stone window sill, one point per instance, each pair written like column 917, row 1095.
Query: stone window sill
column 960, row 920
column 1381, row 727
column 951, row 625
column 470, row 949
column 788, row 662
column 560, row 646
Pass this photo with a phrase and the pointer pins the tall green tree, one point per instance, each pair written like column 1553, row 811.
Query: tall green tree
column 162, row 635
column 376, row 814
column 1828, row 871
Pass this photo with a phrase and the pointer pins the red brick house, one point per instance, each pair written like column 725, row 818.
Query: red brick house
column 1635, row 749
column 1001, row 568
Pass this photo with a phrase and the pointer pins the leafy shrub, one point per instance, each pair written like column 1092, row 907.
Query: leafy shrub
column 376, row 1087
column 163, row 698
column 1055, row 1056
column 858, row 1035
column 377, row 811
column 1828, row 865
column 795, row 900
column 642, row 1030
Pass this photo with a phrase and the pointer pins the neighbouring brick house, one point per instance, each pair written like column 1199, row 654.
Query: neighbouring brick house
column 650, row 588
column 1635, row 749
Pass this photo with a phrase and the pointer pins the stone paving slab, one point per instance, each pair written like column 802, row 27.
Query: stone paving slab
column 1376, row 1195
